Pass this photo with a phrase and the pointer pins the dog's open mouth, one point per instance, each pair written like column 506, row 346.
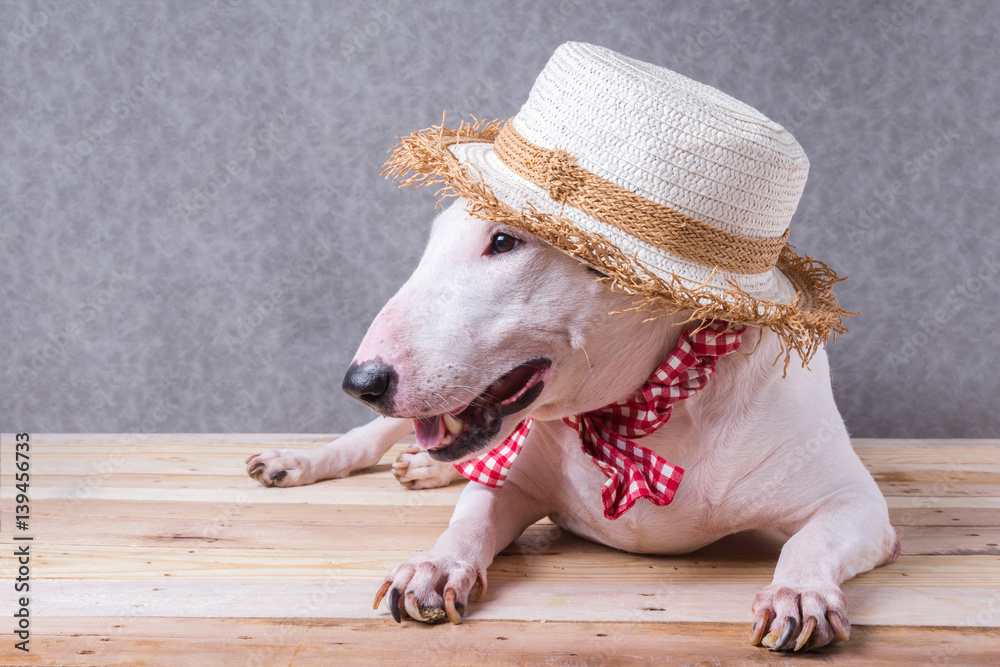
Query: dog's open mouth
column 450, row 436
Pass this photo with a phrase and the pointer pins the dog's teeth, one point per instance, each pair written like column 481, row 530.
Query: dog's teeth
column 454, row 424
column 448, row 440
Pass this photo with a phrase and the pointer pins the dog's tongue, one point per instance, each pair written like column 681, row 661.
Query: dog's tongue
column 430, row 431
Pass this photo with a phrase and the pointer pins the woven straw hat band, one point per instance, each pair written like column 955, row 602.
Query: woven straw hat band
column 661, row 226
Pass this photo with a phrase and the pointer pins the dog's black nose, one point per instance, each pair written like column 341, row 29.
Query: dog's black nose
column 372, row 382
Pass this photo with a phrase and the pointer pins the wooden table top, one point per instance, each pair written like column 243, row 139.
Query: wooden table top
column 159, row 550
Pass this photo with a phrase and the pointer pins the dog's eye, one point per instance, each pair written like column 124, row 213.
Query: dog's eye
column 503, row 242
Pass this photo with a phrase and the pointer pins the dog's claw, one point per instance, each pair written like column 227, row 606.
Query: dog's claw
column 399, row 466
column 278, row 476
column 760, row 622
column 381, row 594
column 842, row 630
column 394, row 605
column 254, row 467
column 411, row 607
column 449, row 607
column 807, row 630
column 419, row 612
column 786, row 635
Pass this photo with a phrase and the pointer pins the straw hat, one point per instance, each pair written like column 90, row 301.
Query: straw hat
column 679, row 194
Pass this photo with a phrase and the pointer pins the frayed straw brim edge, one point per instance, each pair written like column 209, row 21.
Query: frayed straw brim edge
column 424, row 159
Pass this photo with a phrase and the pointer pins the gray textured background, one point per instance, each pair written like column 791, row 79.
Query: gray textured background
column 194, row 235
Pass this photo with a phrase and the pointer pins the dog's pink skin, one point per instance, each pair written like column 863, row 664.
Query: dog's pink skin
column 759, row 450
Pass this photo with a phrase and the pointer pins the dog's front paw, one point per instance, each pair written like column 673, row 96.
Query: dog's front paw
column 790, row 619
column 282, row 467
column 431, row 589
column 415, row 469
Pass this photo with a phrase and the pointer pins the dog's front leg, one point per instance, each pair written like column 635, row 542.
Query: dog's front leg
column 804, row 606
column 358, row 448
column 436, row 586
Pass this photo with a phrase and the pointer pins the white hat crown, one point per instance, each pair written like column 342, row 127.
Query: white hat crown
column 670, row 139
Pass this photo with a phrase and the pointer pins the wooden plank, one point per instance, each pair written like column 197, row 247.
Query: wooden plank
column 965, row 464
column 175, row 477
column 515, row 599
column 863, row 444
column 559, row 563
column 366, row 491
column 950, row 540
column 193, row 514
column 221, row 454
column 253, row 642
column 938, row 489
column 943, row 516
column 203, row 525
column 362, row 490
column 929, row 502
column 192, row 467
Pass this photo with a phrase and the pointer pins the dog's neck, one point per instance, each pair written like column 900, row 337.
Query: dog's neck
column 620, row 359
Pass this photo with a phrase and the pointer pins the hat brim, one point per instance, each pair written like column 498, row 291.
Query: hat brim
column 795, row 299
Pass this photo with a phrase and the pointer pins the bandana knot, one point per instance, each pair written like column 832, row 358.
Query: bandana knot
column 608, row 434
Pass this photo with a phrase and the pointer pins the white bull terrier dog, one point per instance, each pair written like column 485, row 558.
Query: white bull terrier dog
column 618, row 243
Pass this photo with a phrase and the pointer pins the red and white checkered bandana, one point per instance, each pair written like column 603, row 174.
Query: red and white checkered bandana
column 607, row 434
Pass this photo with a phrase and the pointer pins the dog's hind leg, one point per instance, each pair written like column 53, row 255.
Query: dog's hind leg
column 804, row 606
column 358, row 448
